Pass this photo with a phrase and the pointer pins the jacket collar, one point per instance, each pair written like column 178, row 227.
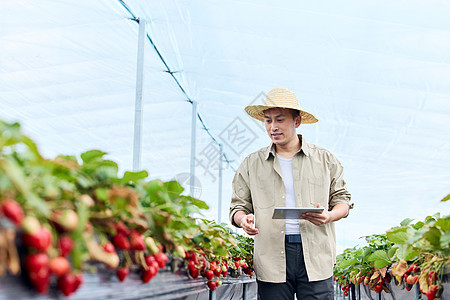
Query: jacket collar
column 305, row 148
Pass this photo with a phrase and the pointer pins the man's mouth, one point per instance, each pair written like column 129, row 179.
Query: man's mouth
column 276, row 135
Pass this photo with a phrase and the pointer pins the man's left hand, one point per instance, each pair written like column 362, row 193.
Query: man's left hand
column 317, row 218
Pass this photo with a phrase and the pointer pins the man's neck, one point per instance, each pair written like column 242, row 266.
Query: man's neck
column 289, row 150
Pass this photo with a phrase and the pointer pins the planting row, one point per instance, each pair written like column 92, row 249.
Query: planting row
column 409, row 254
column 60, row 217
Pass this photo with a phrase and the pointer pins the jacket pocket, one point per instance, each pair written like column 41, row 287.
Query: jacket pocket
column 263, row 193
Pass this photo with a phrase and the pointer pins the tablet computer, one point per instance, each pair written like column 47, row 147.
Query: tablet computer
column 293, row 212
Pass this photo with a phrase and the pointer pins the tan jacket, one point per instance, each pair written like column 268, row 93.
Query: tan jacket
column 258, row 187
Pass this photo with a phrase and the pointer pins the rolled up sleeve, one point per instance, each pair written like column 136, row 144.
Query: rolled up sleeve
column 241, row 197
column 338, row 188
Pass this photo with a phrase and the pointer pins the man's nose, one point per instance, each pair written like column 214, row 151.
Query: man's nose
column 274, row 126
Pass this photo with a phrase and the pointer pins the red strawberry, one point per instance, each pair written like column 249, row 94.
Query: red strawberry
column 65, row 245
column 38, row 271
column 209, row 274
column 431, row 294
column 122, row 228
column 109, row 248
column 68, row 284
column 122, row 273
column 388, row 278
column 34, row 262
column 191, row 265
column 217, row 272
column 224, row 273
column 40, row 240
column 212, row 285
column 12, row 211
column 121, row 242
column 149, row 259
column 432, row 278
column 194, row 273
column 59, row 266
column 212, row 266
column 146, row 275
column 153, row 270
column 137, row 241
column 378, row 288
column 162, row 259
column 78, row 280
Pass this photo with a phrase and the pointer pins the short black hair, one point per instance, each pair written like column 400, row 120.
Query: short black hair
column 295, row 113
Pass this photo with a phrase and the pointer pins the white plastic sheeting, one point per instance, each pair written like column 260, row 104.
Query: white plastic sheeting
column 375, row 73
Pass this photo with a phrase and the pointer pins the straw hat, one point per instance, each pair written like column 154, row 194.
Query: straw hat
column 283, row 98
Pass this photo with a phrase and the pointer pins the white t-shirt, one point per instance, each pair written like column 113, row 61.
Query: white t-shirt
column 292, row 226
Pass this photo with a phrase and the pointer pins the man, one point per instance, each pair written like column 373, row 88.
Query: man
column 291, row 256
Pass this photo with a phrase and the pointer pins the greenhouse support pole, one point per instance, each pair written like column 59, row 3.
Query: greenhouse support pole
column 193, row 141
column 244, row 291
column 219, row 206
column 138, row 104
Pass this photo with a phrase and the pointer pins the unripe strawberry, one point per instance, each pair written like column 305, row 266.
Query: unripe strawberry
column 67, row 219
column 30, row 224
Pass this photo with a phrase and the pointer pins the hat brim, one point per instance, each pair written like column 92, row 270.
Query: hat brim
column 257, row 112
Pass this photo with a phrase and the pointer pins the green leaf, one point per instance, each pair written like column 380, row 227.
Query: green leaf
column 444, row 224
column 91, row 155
column 134, row 176
column 392, row 252
column 199, row 203
column 418, row 225
column 399, row 235
column 445, row 240
column 410, row 253
column 446, row 198
column 433, row 235
column 406, row 222
column 174, row 189
column 348, row 262
column 378, row 255
column 379, row 264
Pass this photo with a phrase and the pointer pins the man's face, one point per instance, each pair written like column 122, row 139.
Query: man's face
column 281, row 125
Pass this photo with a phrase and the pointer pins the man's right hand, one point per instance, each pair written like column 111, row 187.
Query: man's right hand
column 248, row 224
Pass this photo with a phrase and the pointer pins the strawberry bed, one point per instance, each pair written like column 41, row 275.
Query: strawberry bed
column 410, row 257
column 63, row 218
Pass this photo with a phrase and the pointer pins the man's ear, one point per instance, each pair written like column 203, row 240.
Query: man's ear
column 298, row 121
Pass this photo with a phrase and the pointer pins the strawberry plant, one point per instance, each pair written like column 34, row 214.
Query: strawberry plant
column 71, row 211
column 412, row 253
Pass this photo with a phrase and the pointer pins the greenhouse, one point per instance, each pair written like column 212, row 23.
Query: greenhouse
column 127, row 147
